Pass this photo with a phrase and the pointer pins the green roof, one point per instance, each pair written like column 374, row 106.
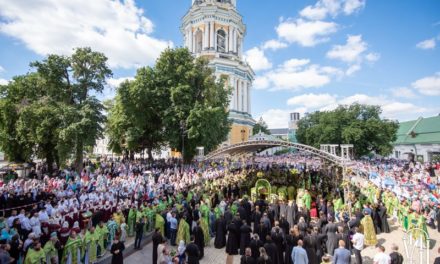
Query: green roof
column 420, row 131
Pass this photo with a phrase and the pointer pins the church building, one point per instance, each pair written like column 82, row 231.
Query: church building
column 215, row 30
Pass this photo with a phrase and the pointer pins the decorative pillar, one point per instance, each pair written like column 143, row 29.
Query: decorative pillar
column 238, row 95
column 249, row 97
column 206, row 36
column 190, row 46
column 230, row 39
column 211, row 38
column 245, row 94
column 234, row 40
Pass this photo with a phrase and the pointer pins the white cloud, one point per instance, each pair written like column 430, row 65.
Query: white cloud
column 296, row 74
column 2, row 69
column 429, row 85
column 305, row 33
column 326, row 102
column 403, row 92
column 115, row 82
column 257, row 59
column 295, row 63
column 279, row 118
column 3, row 81
column 119, row 29
column 333, row 8
column 290, row 79
column 352, row 69
column 426, row 44
column 312, row 100
column 372, row 57
column 274, row 45
column 351, row 51
column 352, row 6
column 261, row 82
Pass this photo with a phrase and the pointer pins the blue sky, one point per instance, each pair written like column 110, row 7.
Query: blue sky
column 307, row 55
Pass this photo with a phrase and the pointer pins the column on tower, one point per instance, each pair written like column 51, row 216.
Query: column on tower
column 230, row 46
column 194, row 41
column 249, row 97
column 245, row 94
column 239, row 95
column 234, row 40
column 215, row 38
column 190, row 46
column 206, row 36
column 211, row 38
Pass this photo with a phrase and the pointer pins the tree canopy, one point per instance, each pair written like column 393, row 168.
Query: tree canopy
column 177, row 102
column 261, row 126
column 52, row 113
column 360, row 125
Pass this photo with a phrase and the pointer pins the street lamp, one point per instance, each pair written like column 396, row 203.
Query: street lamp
column 182, row 129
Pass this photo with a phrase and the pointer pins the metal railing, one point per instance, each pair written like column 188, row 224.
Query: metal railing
column 265, row 144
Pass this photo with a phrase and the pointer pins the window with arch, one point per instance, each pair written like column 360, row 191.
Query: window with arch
column 199, row 41
column 221, row 40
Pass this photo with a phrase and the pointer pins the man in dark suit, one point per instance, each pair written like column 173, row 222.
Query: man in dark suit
column 192, row 251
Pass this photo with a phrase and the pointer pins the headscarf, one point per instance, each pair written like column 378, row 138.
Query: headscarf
column 181, row 249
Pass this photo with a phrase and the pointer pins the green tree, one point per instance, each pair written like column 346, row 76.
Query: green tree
column 178, row 102
column 260, row 126
column 73, row 81
column 52, row 113
column 196, row 113
column 135, row 120
column 356, row 124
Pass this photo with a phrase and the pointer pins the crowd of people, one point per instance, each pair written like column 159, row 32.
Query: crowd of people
column 77, row 218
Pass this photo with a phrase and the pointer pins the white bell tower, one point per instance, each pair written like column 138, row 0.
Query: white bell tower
column 215, row 30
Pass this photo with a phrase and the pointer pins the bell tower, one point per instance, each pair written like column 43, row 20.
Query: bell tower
column 215, row 30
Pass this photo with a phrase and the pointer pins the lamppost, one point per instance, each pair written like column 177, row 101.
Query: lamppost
column 182, row 129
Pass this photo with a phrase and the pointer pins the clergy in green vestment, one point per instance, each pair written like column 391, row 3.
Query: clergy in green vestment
column 412, row 220
column 131, row 220
column 35, row 255
column 204, row 210
column 183, row 232
column 72, row 250
column 205, row 229
column 49, row 249
column 102, row 232
column 150, row 217
column 160, row 223
column 91, row 240
column 421, row 224
column 307, row 199
column 369, row 231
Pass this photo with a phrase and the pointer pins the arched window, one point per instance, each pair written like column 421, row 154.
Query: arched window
column 221, row 40
column 199, row 41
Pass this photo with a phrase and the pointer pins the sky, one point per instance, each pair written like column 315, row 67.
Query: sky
column 307, row 55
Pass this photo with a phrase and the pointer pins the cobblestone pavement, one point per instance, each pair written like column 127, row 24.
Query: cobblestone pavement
column 218, row 256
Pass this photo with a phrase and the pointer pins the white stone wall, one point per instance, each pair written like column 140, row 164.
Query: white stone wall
column 402, row 151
